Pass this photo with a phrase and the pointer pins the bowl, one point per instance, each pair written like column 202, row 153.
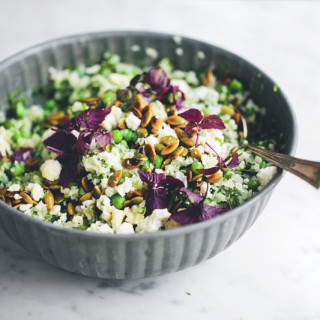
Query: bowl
column 150, row 254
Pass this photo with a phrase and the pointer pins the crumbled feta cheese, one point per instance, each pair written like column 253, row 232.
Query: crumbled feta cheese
column 132, row 121
column 14, row 188
column 209, row 161
column 151, row 140
column 125, row 228
column 166, row 131
column 4, row 141
column 100, row 228
column 17, row 197
column 265, row 175
column 117, row 218
column 111, row 120
column 25, row 207
column 36, row 191
column 159, row 110
column 153, row 222
column 51, row 169
column 118, row 79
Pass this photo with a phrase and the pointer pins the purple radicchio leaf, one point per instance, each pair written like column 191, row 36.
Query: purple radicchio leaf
column 234, row 161
column 185, row 216
column 23, row 155
column 192, row 115
column 194, row 197
column 208, row 212
column 97, row 116
column 209, row 171
column 156, row 198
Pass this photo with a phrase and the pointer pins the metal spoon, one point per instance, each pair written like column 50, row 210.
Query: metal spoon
column 304, row 169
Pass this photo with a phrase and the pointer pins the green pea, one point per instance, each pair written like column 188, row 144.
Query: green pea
column 17, row 170
column 262, row 165
column 24, row 134
column 81, row 192
column 20, row 110
column 50, row 104
column 224, row 89
column 195, row 166
column 117, row 136
column 121, row 180
column 235, row 85
column 108, row 97
column 207, row 201
column 127, row 134
column 252, row 184
column 145, row 165
column 117, row 201
column 134, row 137
column 158, row 161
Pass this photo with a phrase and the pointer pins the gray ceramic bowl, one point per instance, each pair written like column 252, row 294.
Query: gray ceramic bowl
column 139, row 255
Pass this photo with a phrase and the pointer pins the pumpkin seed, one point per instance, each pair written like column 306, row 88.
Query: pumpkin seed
column 199, row 184
column 146, row 109
column 3, row 191
column 137, row 200
column 150, row 151
column 26, row 198
column 196, row 154
column 90, row 101
column 176, row 153
column 195, row 178
column 57, row 118
column 131, row 163
column 122, row 123
column 233, row 151
column 138, row 193
column 86, row 184
column 172, row 112
column 227, row 110
column 165, row 162
column 51, row 182
column 16, row 201
column 142, row 132
column 159, row 147
column 85, row 197
column 17, row 206
column 184, row 152
column 58, row 198
column 207, row 78
column 138, row 102
column 184, row 137
column 130, row 194
column 49, row 200
column 189, row 175
column 54, row 187
column 236, row 117
column 136, row 112
column 114, row 179
column 127, row 203
column 96, row 192
column 166, row 140
column 140, row 156
column 146, row 119
column 176, row 120
column 32, row 162
column 169, row 149
column 71, row 209
column 156, row 123
column 214, row 177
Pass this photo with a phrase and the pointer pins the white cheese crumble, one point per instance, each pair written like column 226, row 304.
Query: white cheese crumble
column 132, row 121
column 100, row 228
column 111, row 120
column 51, row 169
column 125, row 228
column 4, row 142
column 265, row 175
column 153, row 222
column 14, row 188
column 36, row 191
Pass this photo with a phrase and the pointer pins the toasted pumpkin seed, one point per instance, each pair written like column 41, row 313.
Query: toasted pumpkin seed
column 131, row 163
column 236, row 117
column 146, row 119
column 142, row 132
column 195, row 178
column 85, row 197
column 227, row 110
column 214, row 177
column 138, row 193
column 26, row 198
column 32, row 162
column 114, row 179
column 136, row 112
column 96, row 192
column 199, row 184
column 165, row 162
column 86, row 184
column 146, row 109
column 130, row 194
column 54, row 187
column 122, row 123
column 166, row 140
column 184, row 152
column 189, row 175
column 90, row 101
column 169, row 149
column 172, row 112
column 156, row 123
column 207, row 78
column 196, row 154
column 58, row 198
column 138, row 102
column 233, row 151
column 184, row 137
column 137, row 200
column 127, row 203
column 175, row 120
column 56, row 119
column 17, row 206
column 16, row 201
column 140, row 156
column 159, row 147
column 71, row 209
column 3, row 191
column 176, row 153
column 150, row 151
column 49, row 200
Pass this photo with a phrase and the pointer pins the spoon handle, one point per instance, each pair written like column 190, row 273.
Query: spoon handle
column 304, row 169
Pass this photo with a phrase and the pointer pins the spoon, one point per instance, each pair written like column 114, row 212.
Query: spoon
column 304, row 169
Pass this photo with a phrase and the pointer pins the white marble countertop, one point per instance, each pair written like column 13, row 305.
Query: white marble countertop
column 273, row 272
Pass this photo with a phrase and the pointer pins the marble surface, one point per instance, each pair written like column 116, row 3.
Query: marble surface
column 270, row 273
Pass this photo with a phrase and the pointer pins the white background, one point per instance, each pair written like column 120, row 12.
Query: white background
column 273, row 272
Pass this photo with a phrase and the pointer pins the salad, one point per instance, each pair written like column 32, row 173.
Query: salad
column 115, row 148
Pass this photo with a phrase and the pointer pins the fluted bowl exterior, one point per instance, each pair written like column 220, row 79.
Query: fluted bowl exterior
column 139, row 255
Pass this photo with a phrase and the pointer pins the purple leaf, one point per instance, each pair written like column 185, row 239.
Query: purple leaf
column 103, row 138
column 209, row 171
column 189, row 126
column 67, row 124
column 97, row 116
column 156, row 198
column 208, row 212
column 234, row 162
column 69, row 169
column 212, row 122
column 192, row 115
column 157, row 79
column 60, row 141
column 184, row 216
column 134, row 81
column 173, row 182
column 81, row 119
column 84, row 141
column 195, row 198
column 23, row 155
